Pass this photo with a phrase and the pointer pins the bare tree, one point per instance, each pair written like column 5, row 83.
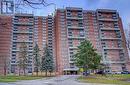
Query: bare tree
column 127, row 34
column 36, row 4
column 36, row 58
column 33, row 3
column 127, row 31
column 4, row 64
column 23, row 58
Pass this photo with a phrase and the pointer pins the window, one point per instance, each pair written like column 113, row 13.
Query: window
column 30, row 29
column 29, row 70
column 12, row 61
column 12, row 68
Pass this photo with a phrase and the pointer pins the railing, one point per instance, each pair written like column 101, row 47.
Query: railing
column 19, row 41
column 110, row 38
column 72, row 17
column 76, row 37
column 110, row 29
column 23, row 32
column 75, row 27
column 23, row 23
column 113, row 48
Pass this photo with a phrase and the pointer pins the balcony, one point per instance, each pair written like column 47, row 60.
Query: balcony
column 107, row 19
column 73, row 47
column 113, row 48
column 76, row 37
column 71, row 61
column 110, row 29
column 118, row 62
column 75, row 18
column 19, row 50
column 19, row 41
column 24, row 15
column 112, row 62
column 22, row 32
column 110, row 38
column 75, row 27
column 23, row 23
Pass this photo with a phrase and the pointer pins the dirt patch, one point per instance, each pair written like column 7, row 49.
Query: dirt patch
column 127, row 80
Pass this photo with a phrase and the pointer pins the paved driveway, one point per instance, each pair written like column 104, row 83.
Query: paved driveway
column 60, row 80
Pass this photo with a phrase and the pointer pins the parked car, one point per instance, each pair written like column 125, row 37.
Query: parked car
column 101, row 72
column 109, row 73
column 125, row 72
column 86, row 73
column 117, row 72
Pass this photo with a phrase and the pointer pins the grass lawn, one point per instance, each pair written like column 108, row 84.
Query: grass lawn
column 17, row 78
column 119, row 79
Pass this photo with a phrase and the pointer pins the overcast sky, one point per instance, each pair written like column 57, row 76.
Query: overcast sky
column 122, row 6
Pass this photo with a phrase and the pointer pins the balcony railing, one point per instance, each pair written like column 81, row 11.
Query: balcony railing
column 76, row 37
column 73, row 47
column 107, row 19
column 108, row 61
column 19, row 50
column 118, row 62
column 75, row 27
column 23, row 23
column 112, row 48
column 72, row 17
column 23, row 32
column 117, row 29
column 110, row 38
column 19, row 41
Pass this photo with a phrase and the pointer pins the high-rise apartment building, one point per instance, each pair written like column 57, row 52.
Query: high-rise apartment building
column 102, row 27
column 51, row 37
column 31, row 30
column 63, row 32
column 92, row 29
column 69, row 34
column 112, row 40
column 44, row 34
column 22, row 33
column 40, row 32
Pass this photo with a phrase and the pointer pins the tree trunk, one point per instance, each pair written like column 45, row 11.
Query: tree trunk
column 50, row 73
column 41, row 73
column 5, row 67
column 46, row 73
column 24, row 71
column 36, row 71
column 4, row 71
column 19, row 71
column 32, row 73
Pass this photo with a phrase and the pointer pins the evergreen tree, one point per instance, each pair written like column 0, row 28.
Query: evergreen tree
column 86, row 56
column 36, row 58
column 23, row 57
column 47, row 61
column 50, row 64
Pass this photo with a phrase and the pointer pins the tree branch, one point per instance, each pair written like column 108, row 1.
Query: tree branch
column 43, row 2
column 33, row 3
